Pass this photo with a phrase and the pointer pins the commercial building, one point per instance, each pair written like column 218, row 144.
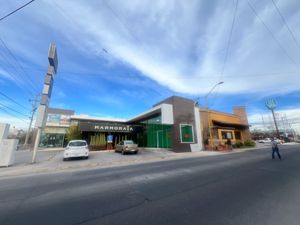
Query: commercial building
column 175, row 123
column 218, row 127
column 58, row 121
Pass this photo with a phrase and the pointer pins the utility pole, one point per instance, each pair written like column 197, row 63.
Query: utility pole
column 33, row 110
column 271, row 104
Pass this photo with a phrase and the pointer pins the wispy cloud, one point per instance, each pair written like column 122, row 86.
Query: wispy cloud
column 161, row 47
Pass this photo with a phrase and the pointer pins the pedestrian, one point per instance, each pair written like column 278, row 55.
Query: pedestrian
column 228, row 142
column 275, row 149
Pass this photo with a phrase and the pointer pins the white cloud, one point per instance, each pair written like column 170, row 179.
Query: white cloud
column 167, row 42
column 180, row 44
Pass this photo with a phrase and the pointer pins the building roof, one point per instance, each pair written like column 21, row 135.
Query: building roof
column 60, row 111
column 93, row 118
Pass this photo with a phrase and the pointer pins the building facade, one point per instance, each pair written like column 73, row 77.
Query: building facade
column 175, row 123
column 58, row 121
column 218, row 127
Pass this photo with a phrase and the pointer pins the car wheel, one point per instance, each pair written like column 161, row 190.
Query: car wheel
column 65, row 159
column 86, row 157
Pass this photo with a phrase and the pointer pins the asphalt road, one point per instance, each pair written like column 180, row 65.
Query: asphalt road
column 243, row 188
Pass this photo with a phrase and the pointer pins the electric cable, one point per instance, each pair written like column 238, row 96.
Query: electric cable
column 11, row 109
column 19, row 64
column 2, row 18
column 229, row 39
column 8, row 113
column 18, row 82
column 121, row 21
column 286, row 24
column 13, row 100
column 272, row 34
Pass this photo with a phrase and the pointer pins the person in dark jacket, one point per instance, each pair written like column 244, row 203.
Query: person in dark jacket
column 275, row 149
column 228, row 142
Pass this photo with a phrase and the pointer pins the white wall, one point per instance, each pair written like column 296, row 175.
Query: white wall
column 167, row 116
column 198, row 128
column 4, row 129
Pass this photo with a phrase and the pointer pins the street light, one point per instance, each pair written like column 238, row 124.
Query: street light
column 208, row 117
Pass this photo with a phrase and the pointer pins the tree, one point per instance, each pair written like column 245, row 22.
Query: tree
column 73, row 133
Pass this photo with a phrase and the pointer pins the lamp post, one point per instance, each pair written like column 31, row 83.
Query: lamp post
column 207, row 111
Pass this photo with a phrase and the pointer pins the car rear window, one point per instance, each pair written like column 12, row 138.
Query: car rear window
column 77, row 143
column 128, row 142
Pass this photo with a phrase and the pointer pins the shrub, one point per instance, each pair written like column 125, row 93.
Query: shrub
column 249, row 143
column 238, row 144
column 73, row 133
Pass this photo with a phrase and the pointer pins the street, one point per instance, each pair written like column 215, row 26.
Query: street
column 241, row 188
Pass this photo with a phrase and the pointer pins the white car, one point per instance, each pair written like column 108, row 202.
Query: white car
column 266, row 140
column 76, row 148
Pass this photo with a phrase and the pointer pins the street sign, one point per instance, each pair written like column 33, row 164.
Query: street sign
column 271, row 104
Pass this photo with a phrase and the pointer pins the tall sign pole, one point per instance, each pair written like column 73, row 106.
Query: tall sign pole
column 271, row 104
column 45, row 98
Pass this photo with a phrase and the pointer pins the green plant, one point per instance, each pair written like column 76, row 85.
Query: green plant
column 98, row 139
column 73, row 133
column 238, row 144
column 249, row 143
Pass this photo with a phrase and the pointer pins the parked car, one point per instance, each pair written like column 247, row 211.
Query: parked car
column 266, row 140
column 75, row 149
column 127, row 146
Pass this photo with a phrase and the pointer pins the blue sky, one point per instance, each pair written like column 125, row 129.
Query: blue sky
column 118, row 58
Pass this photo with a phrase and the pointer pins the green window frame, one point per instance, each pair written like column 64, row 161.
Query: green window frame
column 186, row 133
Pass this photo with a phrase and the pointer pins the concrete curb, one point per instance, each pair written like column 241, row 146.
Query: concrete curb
column 35, row 169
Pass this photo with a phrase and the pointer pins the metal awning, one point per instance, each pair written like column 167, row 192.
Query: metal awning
column 228, row 124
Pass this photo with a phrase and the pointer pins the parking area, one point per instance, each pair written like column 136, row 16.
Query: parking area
column 52, row 160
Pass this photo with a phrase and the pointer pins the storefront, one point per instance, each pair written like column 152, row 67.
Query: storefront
column 175, row 123
column 224, row 126
column 58, row 121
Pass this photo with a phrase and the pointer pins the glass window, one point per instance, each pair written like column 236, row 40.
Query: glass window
column 77, row 143
column 186, row 133
column 227, row 135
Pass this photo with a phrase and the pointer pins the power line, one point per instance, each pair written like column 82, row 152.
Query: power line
column 90, row 73
column 17, row 80
column 11, row 109
column 8, row 113
column 272, row 34
column 121, row 21
column 285, row 23
column 19, row 64
column 229, row 39
column 2, row 18
column 13, row 100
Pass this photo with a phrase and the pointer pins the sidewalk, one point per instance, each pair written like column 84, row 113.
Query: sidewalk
column 50, row 161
